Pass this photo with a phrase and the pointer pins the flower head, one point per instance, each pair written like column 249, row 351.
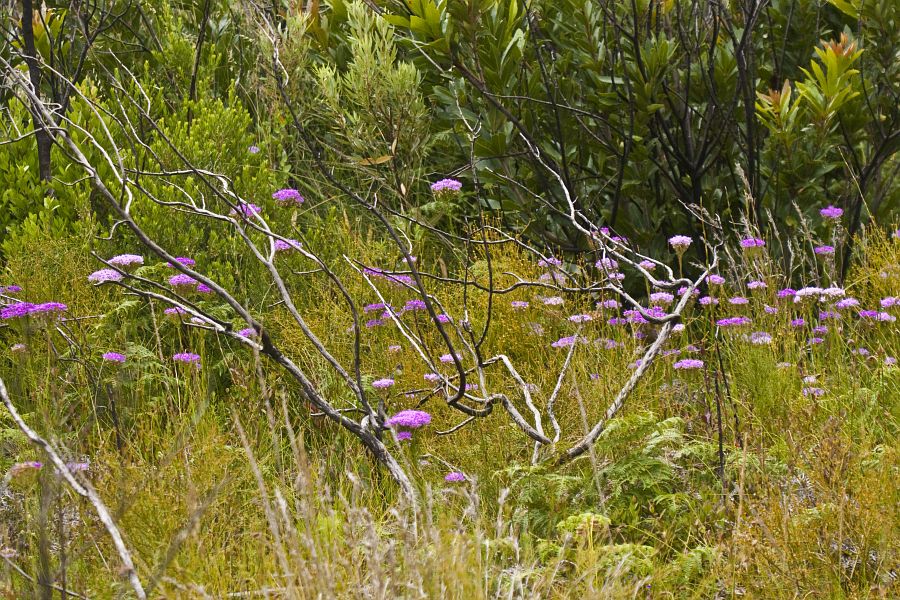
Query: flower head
column 680, row 243
column 182, row 280
column 752, row 243
column 183, row 260
column 760, row 338
column 284, row 246
column 733, row 321
column 114, row 357
column 187, row 358
column 415, row 304
column 446, row 186
column 454, row 477
column 714, row 279
column 246, row 209
column 410, row 419
column 661, row 298
column 288, row 197
column 104, row 275
column 382, row 384
column 831, row 212
column 519, row 304
column 688, row 363
column 824, row 250
column 16, row 310
column 126, row 260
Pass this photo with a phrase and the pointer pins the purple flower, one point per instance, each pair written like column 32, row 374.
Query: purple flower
column 187, row 358
column 825, row 315
column 714, row 279
column 374, row 323
column 373, row 307
column 175, row 310
column 404, row 436
column 757, row 285
column 683, row 290
column 248, row 332
column 395, row 348
column 733, row 321
column 786, row 293
column 824, row 250
column 647, row 265
column 889, row 302
column 114, row 357
column 607, row 264
column 432, row 377
column 184, row 260
column 182, row 280
column 680, row 243
column 382, row 384
column 246, row 209
column 204, row 289
column 411, row 419
column 760, row 338
column 49, row 307
column 737, row 300
column 688, row 363
column 288, row 197
column 885, row 317
column 708, row 300
column 868, row 314
column 520, row 304
column 446, row 186
column 553, row 301
column 16, row 310
column 807, row 292
column 564, row 342
column 831, row 212
column 815, row 340
column 846, row 303
column 581, row 318
column 798, row 323
column 285, row 245
column 414, row 305
column 770, row 310
column 752, row 243
column 446, row 358
column 617, row 321
column 11, row 289
column 813, row 391
column 890, row 361
column 253, row 149
column 661, row 298
column 549, row 262
column 126, row 260
column 454, row 477
column 608, row 304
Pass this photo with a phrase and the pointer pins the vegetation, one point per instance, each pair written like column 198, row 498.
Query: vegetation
column 481, row 298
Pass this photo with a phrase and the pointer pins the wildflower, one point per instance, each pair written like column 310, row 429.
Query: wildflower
column 607, row 264
column 846, row 303
column 114, row 357
column 684, row 290
column 738, row 300
column 553, row 301
column 608, row 304
column 635, row 364
column 549, row 262
column 691, row 348
column 187, row 358
column 411, row 419
column 864, row 352
column 813, row 391
column 714, row 279
column 382, row 384
column 770, row 310
column 752, row 243
column 831, row 212
column 889, row 302
column 183, row 260
column 447, row 358
column 253, row 149
column 798, row 322
column 617, row 321
column 616, row 276
column 16, row 310
column 18, row 348
column 807, row 292
column 868, row 314
column 824, row 250
column 373, row 307
column 49, row 307
column 287, row 197
column 248, row 332
column 564, row 342
column 286, row 245
column 395, row 348
column 647, row 265
column 447, row 186
column 733, row 321
column 432, row 377
column 519, row 304
column 661, row 298
column 834, row 292
column 708, row 300
column 784, row 365
column 610, row 344
column 246, row 209
column 126, row 260
column 442, row 318
column 581, row 318
column 688, row 363
column 175, row 310
column 404, row 436
column 815, row 340
column 890, row 361
column 454, row 477
column 182, row 280
column 680, row 243
column 678, row 328
column 11, row 289
column 825, row 315
column 760, row 338
column 885, row 317
column 414, row 304
column 786, row 293
column 104, row 275
column 22, row 467
column 374, row 323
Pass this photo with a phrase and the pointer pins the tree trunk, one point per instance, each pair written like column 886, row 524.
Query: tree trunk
column 44, row 142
